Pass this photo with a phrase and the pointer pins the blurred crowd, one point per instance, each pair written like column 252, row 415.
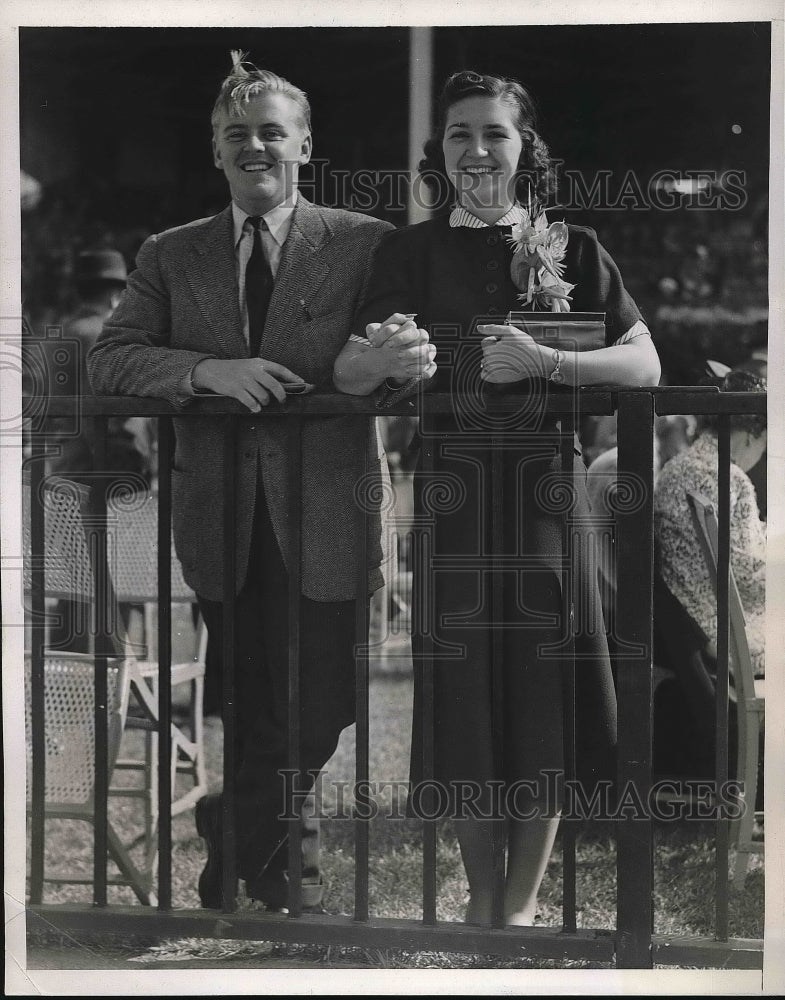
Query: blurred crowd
column 700, row 278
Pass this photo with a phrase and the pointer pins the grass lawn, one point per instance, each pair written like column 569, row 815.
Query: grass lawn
column 684, row 866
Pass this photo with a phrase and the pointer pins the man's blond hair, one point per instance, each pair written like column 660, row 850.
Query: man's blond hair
column 246, row 81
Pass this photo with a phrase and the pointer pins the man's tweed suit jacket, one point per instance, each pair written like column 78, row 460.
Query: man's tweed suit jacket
column 180, row 306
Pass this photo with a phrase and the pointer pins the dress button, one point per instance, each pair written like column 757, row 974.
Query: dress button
column 492, row 240
column 249, row 454
column 490, row 288
column 492, row 265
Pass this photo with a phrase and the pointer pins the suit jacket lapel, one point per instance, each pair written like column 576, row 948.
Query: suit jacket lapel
column 213, row 280
column 300, row 274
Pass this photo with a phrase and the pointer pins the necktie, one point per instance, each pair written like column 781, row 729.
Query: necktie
column 258, row 288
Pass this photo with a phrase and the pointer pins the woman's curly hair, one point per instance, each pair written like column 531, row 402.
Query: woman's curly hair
column 536, row 171
column 739, row 380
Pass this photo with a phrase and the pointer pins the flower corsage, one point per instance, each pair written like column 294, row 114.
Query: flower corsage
column 537, row 266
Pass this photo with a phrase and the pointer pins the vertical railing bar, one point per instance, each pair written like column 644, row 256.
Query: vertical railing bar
column 568, row 586
column 361, row 823
column 294, row 903
column 229, row 838
column 37, row 674
column 635, row 562
column 426, row 614
column 99, row 548
column 165, row 790
column 723, row 671
column 497, row 670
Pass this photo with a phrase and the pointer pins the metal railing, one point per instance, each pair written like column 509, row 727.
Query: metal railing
column 632, row 944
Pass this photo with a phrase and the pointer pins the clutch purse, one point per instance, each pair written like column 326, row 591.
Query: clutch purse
column 567, row 331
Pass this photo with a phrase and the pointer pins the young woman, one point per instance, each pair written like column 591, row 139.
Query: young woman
column 459, row 274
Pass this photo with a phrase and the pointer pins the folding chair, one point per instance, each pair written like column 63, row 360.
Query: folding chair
column 134, row 574
column 748, row 692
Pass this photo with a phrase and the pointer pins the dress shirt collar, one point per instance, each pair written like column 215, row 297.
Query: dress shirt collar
column 278, row 219
column 462, row 217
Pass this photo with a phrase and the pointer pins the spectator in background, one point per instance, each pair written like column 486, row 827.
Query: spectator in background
column 685, row 609
column 696, row 469
column 681, row 567
column 757, row 364
column 99, row 278
column 684, row 604
column 672, row 434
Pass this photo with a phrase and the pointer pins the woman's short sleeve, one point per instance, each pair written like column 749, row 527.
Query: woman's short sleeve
column 392, row 285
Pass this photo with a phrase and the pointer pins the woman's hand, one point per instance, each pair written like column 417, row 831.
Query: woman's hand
column 405, row 350
column 396, row 351
column 509, row 355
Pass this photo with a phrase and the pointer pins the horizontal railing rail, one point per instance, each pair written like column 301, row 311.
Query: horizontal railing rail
column 632, row 944
column 595, row 401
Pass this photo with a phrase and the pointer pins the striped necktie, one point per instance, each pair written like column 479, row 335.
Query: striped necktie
column 258, row 288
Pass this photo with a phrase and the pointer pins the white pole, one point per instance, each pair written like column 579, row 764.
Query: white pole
column 420, row 104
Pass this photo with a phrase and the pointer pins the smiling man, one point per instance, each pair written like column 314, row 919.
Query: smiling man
column 253, row 303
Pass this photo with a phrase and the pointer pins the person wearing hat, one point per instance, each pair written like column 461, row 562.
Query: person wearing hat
column 99, row 278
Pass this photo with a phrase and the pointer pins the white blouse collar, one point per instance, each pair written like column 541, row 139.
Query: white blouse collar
column 462, row 217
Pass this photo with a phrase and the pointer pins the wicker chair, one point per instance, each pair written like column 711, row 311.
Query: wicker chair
column 748, row 692
column 69, row 737
column 68, row 575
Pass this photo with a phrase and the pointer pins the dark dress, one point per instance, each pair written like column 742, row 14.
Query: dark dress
column 454, row 279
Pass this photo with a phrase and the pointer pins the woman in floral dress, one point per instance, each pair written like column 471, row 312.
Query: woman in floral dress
column 461, row 273
column 681, row 561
